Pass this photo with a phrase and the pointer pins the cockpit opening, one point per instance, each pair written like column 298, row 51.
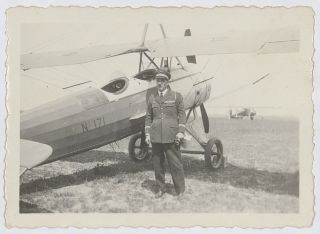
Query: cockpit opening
column 116, row 86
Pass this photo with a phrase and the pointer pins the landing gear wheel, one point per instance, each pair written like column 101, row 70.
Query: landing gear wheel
column 138, row 149
column 213, row 154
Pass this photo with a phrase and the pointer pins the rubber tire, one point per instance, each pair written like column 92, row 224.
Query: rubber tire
column 208, row 155
column 131, row 149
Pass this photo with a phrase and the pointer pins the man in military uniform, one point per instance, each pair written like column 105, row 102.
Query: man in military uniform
column 164, row 128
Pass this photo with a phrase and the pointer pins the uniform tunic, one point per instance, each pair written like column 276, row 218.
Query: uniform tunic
column 166, row 117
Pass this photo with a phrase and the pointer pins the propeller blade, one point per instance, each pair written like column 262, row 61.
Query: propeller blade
column 205, row 118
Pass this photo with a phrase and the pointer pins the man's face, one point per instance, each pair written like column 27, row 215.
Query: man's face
column 162, row 84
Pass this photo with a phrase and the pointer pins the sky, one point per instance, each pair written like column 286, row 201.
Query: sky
column 282, row 93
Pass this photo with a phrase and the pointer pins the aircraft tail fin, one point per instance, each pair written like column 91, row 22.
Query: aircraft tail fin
column 190, row 58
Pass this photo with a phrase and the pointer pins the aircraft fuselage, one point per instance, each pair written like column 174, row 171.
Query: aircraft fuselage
column 92, row 118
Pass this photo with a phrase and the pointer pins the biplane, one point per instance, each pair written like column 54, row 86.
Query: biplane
column 97, row 116
column 240, row 113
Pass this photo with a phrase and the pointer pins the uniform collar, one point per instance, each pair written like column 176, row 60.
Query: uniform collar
column 166, row 94
column 163, row 92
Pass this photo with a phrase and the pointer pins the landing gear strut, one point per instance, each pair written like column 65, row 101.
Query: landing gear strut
column 213, row 148
column 213, row 151
column 139, row 151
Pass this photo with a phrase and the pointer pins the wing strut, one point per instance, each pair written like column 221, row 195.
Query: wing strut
column 144, row 35
column 165, row 36
column 140, row 62
column 143, row 39
column 151, row 60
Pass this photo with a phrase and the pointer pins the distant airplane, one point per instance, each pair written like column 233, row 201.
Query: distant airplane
column 241, row 113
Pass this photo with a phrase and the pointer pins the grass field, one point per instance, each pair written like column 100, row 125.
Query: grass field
column 262, row 176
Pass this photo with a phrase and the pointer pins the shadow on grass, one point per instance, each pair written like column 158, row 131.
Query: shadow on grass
column 151, row 186
column 249, row 178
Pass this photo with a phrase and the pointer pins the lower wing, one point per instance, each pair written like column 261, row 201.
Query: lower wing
column 32, row 154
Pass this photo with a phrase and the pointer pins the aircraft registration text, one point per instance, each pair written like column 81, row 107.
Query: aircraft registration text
column 93, row 124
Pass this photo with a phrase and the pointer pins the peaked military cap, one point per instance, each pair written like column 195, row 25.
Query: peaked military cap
column 162, row 74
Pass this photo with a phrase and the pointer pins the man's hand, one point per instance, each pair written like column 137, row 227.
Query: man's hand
column 148, row 141
column 179, row 137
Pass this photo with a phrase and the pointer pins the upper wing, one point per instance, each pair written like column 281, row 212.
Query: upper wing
column 76, row 56
column 278, row 41
column 32, row 154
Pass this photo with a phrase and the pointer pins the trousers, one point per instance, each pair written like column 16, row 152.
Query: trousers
column 170, row 151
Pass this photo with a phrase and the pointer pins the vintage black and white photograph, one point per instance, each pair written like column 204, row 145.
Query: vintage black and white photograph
column 159, row 111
